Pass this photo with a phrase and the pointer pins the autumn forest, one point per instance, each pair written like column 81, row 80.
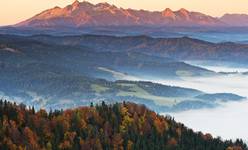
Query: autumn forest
column 118, row 126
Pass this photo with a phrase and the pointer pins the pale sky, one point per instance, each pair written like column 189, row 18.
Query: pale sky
column 13, row 11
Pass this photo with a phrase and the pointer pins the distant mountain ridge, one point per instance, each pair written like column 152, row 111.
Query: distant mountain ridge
column 80, row 14
column 182, row 49
column 85, row 14
column 235, row 19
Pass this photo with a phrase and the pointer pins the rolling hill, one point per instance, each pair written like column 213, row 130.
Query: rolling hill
column 52, row 87
column 41, row 71
column 97, row 60
column 63, row 72
column 179, row 49
column 118, row 126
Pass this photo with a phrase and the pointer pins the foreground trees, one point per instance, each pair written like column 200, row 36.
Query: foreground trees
column 124, row 126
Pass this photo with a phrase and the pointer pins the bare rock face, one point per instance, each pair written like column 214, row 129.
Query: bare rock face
column 235, row 19
column 169, row 14
column 80, row 14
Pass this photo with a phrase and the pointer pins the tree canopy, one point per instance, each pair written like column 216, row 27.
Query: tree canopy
column 123, row 126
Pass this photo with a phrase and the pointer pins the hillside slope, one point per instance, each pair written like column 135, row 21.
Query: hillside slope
column 86, row 57
column 47, row 71
column 120, row 126
column 176, row 48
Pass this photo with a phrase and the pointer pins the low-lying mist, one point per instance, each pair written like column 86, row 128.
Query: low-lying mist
column 236, row 83
column 229, row 120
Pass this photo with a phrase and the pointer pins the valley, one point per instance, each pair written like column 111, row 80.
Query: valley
column 40, row 71
column 123, row 75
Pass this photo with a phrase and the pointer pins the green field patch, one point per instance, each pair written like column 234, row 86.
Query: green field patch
column 99, row 88
column 184, row 73
column 126, row 84
column 136, row 91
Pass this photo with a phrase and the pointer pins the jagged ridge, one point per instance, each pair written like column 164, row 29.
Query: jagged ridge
column 84, row 13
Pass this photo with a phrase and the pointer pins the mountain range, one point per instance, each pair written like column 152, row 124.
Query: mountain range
column 85, row 14
column 180, row 49
column 238, row 20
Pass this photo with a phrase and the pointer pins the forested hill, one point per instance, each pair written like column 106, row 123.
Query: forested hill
column 117, row 126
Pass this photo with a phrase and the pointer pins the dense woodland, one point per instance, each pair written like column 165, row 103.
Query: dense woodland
column 123, row 126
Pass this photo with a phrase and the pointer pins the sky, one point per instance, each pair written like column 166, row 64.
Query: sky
column 14, row 11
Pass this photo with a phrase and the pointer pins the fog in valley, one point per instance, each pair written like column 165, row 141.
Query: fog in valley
column 220, row 66
column 235, row 83
column 230, row 119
